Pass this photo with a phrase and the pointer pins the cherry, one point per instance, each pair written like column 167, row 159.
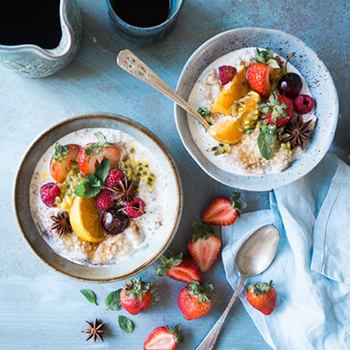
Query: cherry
column 113, row 221
column 290, row 85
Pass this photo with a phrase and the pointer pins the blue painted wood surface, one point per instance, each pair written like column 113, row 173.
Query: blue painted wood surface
column 40, row 309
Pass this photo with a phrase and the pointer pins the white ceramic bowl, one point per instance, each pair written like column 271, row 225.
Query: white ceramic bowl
column 140, row 260
column 317, row 78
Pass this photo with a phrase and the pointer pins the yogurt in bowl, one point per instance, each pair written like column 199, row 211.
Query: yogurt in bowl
column 90, row 249
column 318, row 81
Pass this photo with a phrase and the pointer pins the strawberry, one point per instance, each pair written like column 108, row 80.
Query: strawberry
column 92, row 154
column 262, row 296
column 178, row 268
column 226, row 74
column 194, row 300
column 49, row 192
column 136, row 296
column 223, row 211
column 278, row 110
column 62, row 159
column 203, row 246
column 164, row 338
column 258, row 75
column 113, row 178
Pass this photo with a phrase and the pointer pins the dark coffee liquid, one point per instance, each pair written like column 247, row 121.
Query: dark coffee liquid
column 30, row 22
column 142, row 13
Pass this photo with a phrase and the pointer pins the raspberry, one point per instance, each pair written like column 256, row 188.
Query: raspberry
column 113, row 177
column 49, row 192
column 104, row 199
column 226, row 74
column 135, row 208
column 303, row 104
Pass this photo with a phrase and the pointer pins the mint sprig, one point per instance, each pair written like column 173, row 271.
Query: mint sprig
column 266, row 141
column 94, row 183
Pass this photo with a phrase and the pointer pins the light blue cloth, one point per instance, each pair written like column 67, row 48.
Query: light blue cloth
column 311, row 271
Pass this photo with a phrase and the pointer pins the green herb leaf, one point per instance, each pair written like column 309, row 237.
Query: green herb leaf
column 113, row 300
column 100, row 138
column 102, row 170
column 266, row 144
column 85, row 190
column 89, row 295
column 125, row 324
column 93, row 180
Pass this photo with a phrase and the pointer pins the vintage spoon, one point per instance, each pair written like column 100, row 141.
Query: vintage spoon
column 133, row 65
column 253, row 257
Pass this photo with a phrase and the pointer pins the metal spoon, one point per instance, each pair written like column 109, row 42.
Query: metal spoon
column 133, row 65
column 253, row 257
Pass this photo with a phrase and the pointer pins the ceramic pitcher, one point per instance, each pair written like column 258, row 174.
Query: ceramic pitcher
column 36, row 62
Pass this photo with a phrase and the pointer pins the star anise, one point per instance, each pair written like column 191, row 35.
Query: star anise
column 94, row 330
column 298, row 132
column 61, row 223
column 125, row 190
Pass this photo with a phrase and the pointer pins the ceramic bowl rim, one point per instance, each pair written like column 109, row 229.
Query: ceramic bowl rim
column 179, row 118
column 174, row 170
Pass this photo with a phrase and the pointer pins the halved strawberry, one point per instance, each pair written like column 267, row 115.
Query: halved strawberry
column 278, row 110
column 223, row 211
column 226, row 74
column 62, row 159
column 179, row 268
column 92, row 154
column 259, row 75
column 203, row 246
column 164, row 338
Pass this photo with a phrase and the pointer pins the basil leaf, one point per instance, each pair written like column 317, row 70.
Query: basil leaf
column 266, row 144
column 125, row 324
column 89, row 295
column 102, row 170
column 93, row 180
column 85, row 190
column 113, row 300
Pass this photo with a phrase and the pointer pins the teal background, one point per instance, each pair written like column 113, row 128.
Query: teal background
column 40, row 309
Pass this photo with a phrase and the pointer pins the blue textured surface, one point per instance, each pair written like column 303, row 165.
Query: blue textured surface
column 40, row 309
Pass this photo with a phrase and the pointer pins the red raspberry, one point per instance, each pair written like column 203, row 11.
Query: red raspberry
column 226, row 74
column 113, row 177
column 49, row 192
column 104, row 199
column 135, row 208
column 303, row 104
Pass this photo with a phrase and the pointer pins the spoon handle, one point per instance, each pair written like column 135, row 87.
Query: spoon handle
column 133, row 65
column 209, row 341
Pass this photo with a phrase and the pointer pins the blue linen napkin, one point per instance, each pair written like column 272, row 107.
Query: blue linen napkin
column 311, row 273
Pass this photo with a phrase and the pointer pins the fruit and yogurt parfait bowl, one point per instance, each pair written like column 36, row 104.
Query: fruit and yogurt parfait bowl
column 260, row 110
column 98, row 196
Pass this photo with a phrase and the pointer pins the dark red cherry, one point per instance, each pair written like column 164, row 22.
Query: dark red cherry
column 113, row 221
column 290, row 85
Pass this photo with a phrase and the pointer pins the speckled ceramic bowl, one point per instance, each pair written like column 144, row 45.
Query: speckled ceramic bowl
column 310, row 66
column 140, row 260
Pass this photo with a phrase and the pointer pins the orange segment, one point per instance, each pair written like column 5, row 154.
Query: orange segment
column 228, row 95
column 227, row 130
column 84, row 219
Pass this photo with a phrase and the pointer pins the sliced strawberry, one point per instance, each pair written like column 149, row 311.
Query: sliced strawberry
column 223, row 211
column 164, row 338
column 226, row 74
column 278, row 110
column 179, row 268
column 61, row 160
column 203, row 246
column 259, row 75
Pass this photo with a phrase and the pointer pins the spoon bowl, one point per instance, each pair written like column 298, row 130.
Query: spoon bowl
column 253, row 257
